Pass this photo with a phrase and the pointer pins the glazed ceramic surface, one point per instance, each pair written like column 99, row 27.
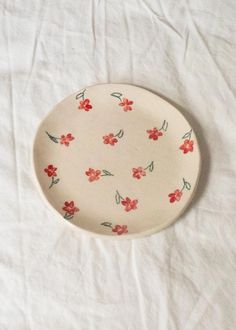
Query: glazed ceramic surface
column 117, row 160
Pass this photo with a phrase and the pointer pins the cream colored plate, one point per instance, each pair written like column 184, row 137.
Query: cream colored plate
column 117, row 160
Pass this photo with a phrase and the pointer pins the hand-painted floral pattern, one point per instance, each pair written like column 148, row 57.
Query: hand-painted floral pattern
column 84, row 104
column 64, row 139
column 187, row 146
column 128, row 203
column 177, row 194
column 118, row 229
column 70, row 209
column 94, row 175
column 155, row 133
column 51, row 173
column 140, row 171
column 50, row 170
column 124, row 102
column 112, row 139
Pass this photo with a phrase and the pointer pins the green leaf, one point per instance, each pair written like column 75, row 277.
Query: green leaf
column 187, row 185
column 107, row 224
column 117, row 197
column 151, row 167
column 120, row 134
column 116, row 94
column 165, row 125
column 68, row 216
column 56, row 181
column 81, row 94
column 107, row 173
column 186, row 136
column 53, row 138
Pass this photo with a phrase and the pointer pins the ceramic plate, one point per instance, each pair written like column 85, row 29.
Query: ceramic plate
column 116, row 160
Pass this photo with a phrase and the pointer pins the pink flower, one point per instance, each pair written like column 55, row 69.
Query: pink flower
column 70, row 208
column 187, row 146
column 110, row 139
column 154, row 133
column 126, row 104
column 175, row 196
column 120, row 229
column 138, row 172
column 129, row 204
column 65, row 139
column 51, row 170
column 85, row 105
column 93, row 174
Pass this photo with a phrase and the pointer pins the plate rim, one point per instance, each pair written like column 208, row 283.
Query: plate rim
column 128, row 236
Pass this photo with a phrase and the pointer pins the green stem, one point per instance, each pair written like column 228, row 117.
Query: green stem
column 186, row 185
column 164, row 126
column 81, row 94
column 53, row 138
column 68, row 216
column 53, row 182
column 150, row 166
column 107, row 224
column 118, row 197
column 117, row 95
column 183, row 185
column 190, row 133
column 120, row 134
column 106, row 173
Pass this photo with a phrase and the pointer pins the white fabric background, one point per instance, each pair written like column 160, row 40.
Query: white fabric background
column 51, row 276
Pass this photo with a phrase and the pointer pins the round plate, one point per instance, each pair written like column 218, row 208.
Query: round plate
column 117, row 160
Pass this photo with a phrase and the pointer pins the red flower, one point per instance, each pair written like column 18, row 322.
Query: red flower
column 110, row 139
column 85, row 105
column 93, row 174
column 129, row 204
column 154, row 133
column 50, row 170
column 175, row 196
column 120, row 229
column 65, row 139
column 187, row 146
column 70, row 208
column 138, row 172
column 126, row 104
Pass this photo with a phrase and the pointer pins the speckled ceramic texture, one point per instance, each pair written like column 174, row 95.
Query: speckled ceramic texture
column 116, row 161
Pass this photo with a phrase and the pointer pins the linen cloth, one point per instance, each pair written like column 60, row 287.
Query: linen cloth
column 51, row 275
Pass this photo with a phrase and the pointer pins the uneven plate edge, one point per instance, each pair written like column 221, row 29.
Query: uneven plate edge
column 106, row 236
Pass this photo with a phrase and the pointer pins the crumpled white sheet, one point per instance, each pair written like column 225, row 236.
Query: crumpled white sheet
column 52, row 276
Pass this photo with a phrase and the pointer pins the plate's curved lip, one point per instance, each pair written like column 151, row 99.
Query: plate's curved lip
column 106, row 236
